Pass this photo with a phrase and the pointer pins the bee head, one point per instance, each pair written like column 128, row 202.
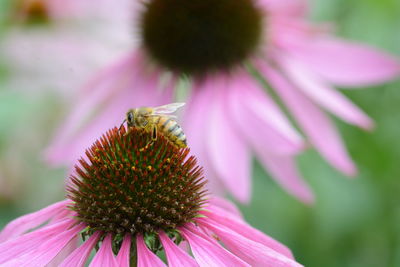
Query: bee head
column 137, row 117
column 130, row 118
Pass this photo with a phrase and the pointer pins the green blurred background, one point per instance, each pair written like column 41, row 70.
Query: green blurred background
column 355, row 222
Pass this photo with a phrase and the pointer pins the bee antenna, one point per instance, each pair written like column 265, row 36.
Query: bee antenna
column 122, row 124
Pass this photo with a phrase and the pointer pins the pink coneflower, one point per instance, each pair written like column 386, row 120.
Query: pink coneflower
column 48, row 40
column 223, row 49
column 130, row 204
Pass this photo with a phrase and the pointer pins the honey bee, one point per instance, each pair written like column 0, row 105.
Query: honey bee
column 158, row 120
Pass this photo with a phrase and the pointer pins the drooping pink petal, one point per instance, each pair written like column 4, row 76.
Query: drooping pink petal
column 209, row 253
column 314, row 122
column 283, row 169
column 52, row 247
column 252, row 109
column 65, row 252
column 229, row 155
column 175, row 255
column 43, row 253
column 261, row 144
column 32, row 220
column 105, row 255
column 203, row 232
column 145, row 257
column 215, row 214
column 345, row 63
column 323, row 94
column 254, row 253
column 226, row 206
column 80, row 255
column 123, row 256
column 24, row 244
column 222, row 211
column 66, row 213
column 197, row 117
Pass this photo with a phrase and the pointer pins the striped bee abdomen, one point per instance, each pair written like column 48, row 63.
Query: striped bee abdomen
column 172, row 131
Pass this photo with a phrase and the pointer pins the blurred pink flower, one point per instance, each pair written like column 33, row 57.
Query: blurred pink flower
column 66, row 44
column 54, row 242
column 229, row 115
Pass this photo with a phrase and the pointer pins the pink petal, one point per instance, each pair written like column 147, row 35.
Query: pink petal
column 145, row 257
column 323, row 94
column 252, row 252
column 80, row 255
column 52, row 247
column 283, row 169
column 242, row 228
column 209, row 253
column 314, row 122
column 228, row 153
column 196, row 117
column 21, row 245
column 225, row 205
column 175, row 255
column 105, row 255
column 346, row 64
column 44, row 252
column 252, row 109
column 32, row 220
column 66, row 213
column 64, row 253
column 123, row 256
column 223, row 212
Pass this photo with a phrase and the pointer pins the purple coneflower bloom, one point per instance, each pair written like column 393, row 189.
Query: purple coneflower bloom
column 131, row 203
column 223, row 50
column 49, row 40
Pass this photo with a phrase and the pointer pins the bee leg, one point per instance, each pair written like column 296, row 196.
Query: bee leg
column 122, row 124
column 154, row 134
column 128, row 131
column 153, row 138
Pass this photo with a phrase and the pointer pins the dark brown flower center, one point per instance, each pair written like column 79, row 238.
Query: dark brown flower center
column 199, row 36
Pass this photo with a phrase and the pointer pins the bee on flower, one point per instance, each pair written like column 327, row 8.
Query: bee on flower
column 158, row 120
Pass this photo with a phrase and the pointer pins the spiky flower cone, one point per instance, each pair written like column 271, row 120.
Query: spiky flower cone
column 123, row 188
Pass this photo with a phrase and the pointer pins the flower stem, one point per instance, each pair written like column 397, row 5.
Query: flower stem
column 133, row 254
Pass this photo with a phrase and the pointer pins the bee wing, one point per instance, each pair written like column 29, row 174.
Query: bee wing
column 167, row 109
column 162, row 115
